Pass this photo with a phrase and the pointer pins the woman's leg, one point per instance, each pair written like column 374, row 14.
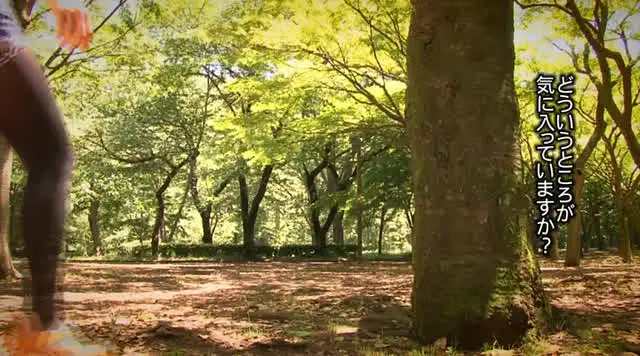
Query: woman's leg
column 33, row 125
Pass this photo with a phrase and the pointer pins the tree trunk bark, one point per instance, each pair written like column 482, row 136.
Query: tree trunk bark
column 94, row 226
column 7, row 270
column 476, row 277
column 383, row 213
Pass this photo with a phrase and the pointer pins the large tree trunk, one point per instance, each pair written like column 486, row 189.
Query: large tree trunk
column 94, row 226
column 7, row 270
column 250, row 211
column 476, row 278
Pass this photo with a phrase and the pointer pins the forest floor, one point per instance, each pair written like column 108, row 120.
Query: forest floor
column 311, row 308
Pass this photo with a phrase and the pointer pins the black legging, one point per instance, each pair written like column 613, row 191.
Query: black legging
column 33, row 125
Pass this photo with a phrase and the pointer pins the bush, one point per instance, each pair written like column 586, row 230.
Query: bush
column 181, row 250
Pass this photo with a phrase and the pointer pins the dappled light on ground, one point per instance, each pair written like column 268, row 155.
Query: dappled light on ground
column 308, row 308
column 598, row 302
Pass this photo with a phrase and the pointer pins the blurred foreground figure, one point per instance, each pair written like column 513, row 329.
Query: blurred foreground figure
column 33, row 126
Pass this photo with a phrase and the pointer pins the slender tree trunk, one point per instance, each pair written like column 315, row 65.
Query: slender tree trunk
column 573, row 253
column 15, row 212
column 409, row 216
column 340, row 182
column 278, row 223
column 624, row 238
column 597, row 231
column 574, row 228
column 531, row 229
column 359, row 232
column 337, row 225
column 630, row 229
column 356, row 143
column 634, row 220
column 179, row 215
column 624, row 241
column 383, row 214
column 205, row 218
column 7, row 270
column 587, row 233
column 476, row 279
column 94, row 226
column 204, row 210
column 338, row 228
column 554, row 249
column 250, row 211
column 554, row 253
column 158, row 225
column 319, row 230
column 248, row 223
column 216, row 220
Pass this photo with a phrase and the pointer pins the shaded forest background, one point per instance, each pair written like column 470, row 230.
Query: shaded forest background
column 272, row 123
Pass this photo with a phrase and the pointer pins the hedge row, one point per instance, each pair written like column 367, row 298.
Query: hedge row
column 286, row 251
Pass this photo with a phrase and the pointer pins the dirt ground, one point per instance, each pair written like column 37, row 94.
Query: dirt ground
column 313, row 308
